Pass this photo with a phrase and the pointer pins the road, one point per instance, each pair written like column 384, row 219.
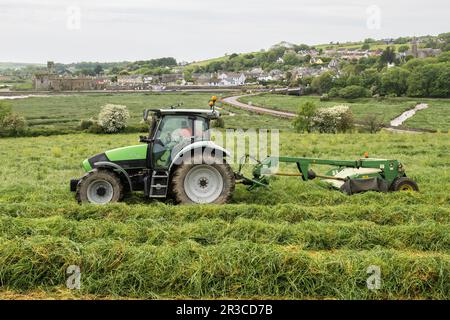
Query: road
column 234, row 102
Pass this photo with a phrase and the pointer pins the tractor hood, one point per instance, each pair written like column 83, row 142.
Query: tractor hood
column 126, row 157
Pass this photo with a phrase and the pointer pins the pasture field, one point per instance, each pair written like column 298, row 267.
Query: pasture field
column 295, row 240
column 63, row 113
column 436, row 117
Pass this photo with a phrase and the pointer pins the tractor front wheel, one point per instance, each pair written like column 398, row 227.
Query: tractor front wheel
column 209, row 181
column 99, row 187
column 404, row 184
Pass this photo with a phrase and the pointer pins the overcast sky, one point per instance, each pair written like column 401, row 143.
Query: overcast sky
column 116, row 30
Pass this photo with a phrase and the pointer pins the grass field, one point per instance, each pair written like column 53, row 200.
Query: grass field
column 63, row 113
column 296, row 240
column 437, row 117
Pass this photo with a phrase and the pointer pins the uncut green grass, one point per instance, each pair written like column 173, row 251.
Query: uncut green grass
column 63, row 113
column 437, row 117
column 295, row 240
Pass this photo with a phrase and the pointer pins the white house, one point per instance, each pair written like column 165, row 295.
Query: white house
column 232, row 79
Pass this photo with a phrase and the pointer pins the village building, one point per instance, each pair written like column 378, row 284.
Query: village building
column 171, row 78
column 316, row 61
column 232, row 79
column 50, row 81
column 204, row 79
column 333, row 64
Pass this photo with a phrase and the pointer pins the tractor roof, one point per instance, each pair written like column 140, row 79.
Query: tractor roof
column 213, row 114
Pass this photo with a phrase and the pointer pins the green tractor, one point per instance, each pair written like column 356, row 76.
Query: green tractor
column 178, row 159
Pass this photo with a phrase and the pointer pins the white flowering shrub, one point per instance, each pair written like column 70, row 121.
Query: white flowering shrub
column 13, row 124
column 332, row 120
column 113, row 118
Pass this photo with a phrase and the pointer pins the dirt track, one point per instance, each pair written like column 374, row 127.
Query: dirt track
column 234, row 102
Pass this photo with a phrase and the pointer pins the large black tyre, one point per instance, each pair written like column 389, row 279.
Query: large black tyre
column 99, row 186
column 206, row 180
column 404, row 184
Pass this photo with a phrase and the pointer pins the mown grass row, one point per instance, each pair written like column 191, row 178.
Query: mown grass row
column 234, row 268
column 289, row 213
column 308, row 235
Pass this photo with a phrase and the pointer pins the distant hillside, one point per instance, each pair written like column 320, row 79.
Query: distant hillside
column 18, row 65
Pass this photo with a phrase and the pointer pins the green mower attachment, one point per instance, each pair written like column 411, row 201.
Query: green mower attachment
column 349, row 176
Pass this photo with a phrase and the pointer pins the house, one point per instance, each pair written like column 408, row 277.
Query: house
column 333, row 64
column 264, row 77
column 232, row 79
column 171, row 78
column 276, row 74
column 202, row 79
column 312, row 53
column 129, row 80
column 5, row 78
column 315, row 60
column 301, row 72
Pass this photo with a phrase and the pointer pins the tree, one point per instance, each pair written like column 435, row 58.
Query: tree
column 5, row 110
column 403, row 48
column 353, row 80
column 365, row 46
column 444, row 41
column 395, row 81
column 441, row 85
column 354, row 92
column 98, row 69
column 303, row 121
column 388, row 55
column 323, row 83
column 422, row 80
column 291, row 58
column 370, row 78
column 373, row 122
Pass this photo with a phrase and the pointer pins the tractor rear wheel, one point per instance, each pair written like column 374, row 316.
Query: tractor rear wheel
column 208, row 180
column 404, row 184
column 99, row 187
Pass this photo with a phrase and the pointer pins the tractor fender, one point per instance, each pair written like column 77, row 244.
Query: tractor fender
column 111, row 165
column 198, row 145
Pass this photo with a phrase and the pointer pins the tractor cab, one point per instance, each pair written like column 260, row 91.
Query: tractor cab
column 173, row 129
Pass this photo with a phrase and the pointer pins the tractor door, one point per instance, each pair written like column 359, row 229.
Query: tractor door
column 173, row 134
column 172, row 131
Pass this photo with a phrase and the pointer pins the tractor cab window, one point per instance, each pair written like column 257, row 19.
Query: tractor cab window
column 174, row 129
column 175, row 132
